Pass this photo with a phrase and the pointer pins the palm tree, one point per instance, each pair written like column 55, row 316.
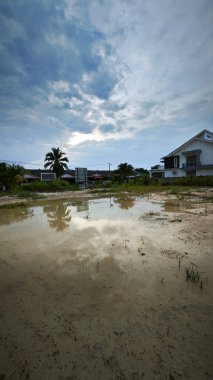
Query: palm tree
column 125, row 170
column 56, row 161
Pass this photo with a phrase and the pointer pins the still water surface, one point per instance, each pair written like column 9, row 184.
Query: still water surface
column 59, row 214
column 118, row 230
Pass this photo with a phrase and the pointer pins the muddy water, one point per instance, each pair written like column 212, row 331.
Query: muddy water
column 96, row 289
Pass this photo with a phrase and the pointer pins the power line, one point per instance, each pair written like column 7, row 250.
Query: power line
column 20, row 162
column 30, row 163
column 105, row 164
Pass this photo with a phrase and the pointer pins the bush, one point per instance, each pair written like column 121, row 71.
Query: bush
column 188, row 181
column 35, row 186
column 195, row 181
column 10, row 175
column 146, row 179
column 55, row 185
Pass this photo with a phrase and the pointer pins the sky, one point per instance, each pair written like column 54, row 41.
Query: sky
column 106, row 81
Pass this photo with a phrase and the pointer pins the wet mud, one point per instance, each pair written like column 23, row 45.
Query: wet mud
column 97, row 289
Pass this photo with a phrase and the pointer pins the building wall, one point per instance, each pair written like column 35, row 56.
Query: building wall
column 204, row 172
column 156, row 174
column 174, row 173
column 206, row 158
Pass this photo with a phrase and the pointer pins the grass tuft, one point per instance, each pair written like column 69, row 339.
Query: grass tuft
column 192, row 274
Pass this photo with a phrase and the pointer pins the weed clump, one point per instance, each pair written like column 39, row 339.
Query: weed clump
column 192, row 274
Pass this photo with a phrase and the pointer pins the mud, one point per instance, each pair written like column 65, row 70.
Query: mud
column 96, row 289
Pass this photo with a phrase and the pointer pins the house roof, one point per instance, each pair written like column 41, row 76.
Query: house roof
column 196, row 137
column 29, row 176
column 67, row 176
column 97, row 175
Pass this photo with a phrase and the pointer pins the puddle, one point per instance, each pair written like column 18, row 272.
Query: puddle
column 93, row 284
column 59, row 213
column 106, row 232
column 175, row 205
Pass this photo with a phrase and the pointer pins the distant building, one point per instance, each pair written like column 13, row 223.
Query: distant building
column 157, row 171
column 193, row 158
column 48, row 176
column 68, row 177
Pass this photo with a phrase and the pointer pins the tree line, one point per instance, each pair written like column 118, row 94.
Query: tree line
column 57, row 162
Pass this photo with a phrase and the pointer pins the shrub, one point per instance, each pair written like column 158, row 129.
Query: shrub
column 146, row 179
column 189, row 181
column 35, row 186
column 55, row 185
column 18, row 179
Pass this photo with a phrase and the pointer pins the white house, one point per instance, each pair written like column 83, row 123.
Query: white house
column 193, row 158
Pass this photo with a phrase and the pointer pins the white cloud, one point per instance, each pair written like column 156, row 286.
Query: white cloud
column 77, row 138
column 157, row 55
column 60, row 40
column 59, row 86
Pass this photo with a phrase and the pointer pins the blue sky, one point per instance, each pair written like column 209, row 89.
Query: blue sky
column 105, row 80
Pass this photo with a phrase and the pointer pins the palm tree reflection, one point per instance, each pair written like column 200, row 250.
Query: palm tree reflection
column 58, row 216
column 125, row 202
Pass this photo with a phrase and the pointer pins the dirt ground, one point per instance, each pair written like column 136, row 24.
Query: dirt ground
column 126, row 312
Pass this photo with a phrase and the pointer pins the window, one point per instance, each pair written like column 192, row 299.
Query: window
column 175, row 162
column 171, row 162
column 191, row 161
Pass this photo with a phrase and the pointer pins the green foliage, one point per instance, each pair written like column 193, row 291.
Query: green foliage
column 146, row 179
column 3, row 167
column 38, row 186
column 195, row 181
column 10, row 174
column 143, row 180
column 50, row 186
column 124, row 170
column 18, row 179
column 142, row 171
column 137, row 186
column 56, row 161
column 189, row 181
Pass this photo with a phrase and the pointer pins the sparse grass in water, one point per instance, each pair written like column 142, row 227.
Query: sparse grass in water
column 13, row 205
column 192, row 274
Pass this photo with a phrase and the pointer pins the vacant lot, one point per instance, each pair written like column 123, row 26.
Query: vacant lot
column 97, row 289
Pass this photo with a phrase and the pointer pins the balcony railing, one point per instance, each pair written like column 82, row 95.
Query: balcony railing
column 188, row 165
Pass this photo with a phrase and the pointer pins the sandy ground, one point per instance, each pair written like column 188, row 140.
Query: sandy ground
column 110, row 319
column 13, row 199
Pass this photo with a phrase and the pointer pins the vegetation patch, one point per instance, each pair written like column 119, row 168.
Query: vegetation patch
column 13, row 205
column 192, row 273
column 54, row 185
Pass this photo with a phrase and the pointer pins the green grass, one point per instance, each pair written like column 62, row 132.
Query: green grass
column 138, row 189
column 180, row 188
column 55, row 185
column 13, row 205
column 29, row 190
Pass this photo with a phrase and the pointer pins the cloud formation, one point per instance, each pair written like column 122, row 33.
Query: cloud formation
column 74, row 72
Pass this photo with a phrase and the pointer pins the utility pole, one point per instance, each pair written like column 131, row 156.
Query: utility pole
column 109, row 171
